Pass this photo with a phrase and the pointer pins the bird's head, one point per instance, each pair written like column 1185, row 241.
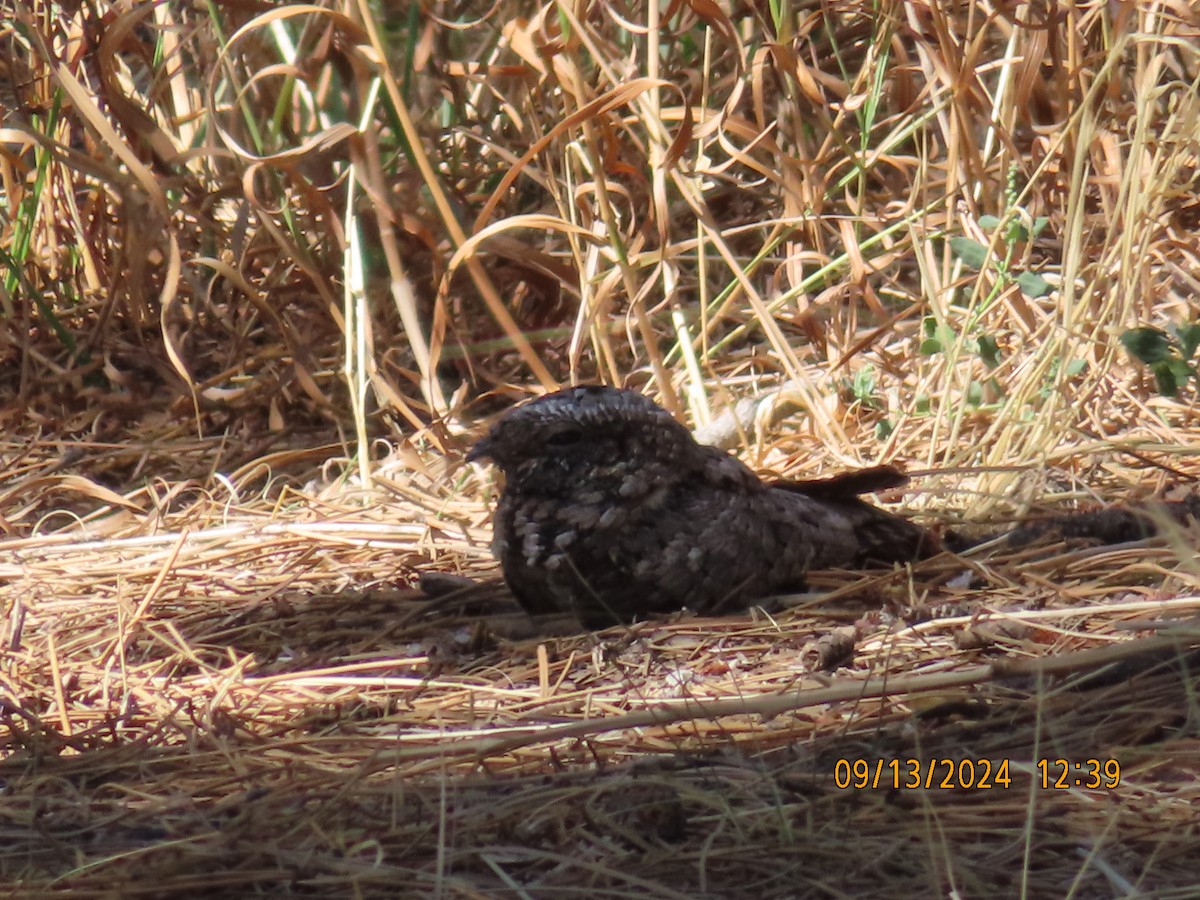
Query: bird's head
column 586, row 438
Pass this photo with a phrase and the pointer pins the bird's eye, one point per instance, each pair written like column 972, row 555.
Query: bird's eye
column 566, row 438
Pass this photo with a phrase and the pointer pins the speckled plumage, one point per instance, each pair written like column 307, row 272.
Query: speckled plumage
column 613, row 512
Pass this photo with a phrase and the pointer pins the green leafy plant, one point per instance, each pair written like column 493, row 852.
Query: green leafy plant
column 1016, row 232
column 940, row 337
column 1018, row 228
column 1167, row 353
column 1015, row 229
column 863, row 387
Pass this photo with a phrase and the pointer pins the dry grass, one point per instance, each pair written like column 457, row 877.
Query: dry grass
column 251, row 257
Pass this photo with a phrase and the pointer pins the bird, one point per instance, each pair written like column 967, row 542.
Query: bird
column 613, row 512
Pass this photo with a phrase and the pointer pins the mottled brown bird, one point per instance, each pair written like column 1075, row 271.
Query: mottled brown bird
column 612, row 511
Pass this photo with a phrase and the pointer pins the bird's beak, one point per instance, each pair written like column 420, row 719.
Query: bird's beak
column 481, row 451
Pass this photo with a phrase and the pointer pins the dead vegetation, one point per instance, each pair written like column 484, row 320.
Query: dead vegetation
column 263, row 267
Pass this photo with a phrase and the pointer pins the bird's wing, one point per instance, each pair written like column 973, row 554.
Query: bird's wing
column 847, row 485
